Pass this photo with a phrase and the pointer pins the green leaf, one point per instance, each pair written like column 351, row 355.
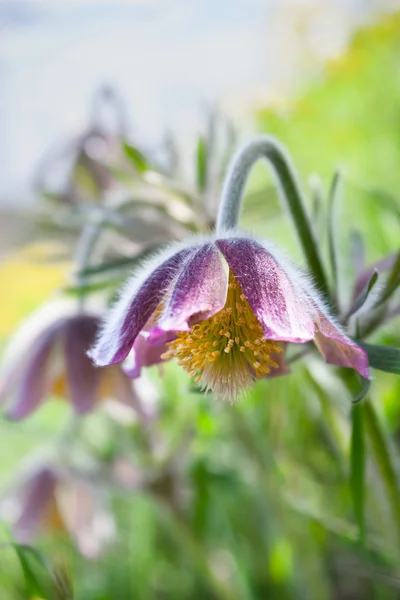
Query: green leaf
column 53, row 196
column 193, row 546
column 357, row 467
column 89, row 288
column 134, row 203
column 393, row 281
column 136, row 157
column 357, row 251
column 386, row 200
column 118, row 263
column 362, row 297
column 295, row 203
column 366, row 384
column 202, row 159
column 33, row 583
column 384, row 358
column 384, row 462
column 317, row 207
column 333, row 192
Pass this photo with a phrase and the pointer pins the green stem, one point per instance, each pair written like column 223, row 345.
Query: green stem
column 331, row 235
column 384, row 461
column 291, row 194
column 357, row 468
column 200, row 558
column 85, row 247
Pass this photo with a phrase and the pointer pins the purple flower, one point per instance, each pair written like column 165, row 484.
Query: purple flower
column 225, row 309
column 364, row 275
column 55, row 363
column 48, row 499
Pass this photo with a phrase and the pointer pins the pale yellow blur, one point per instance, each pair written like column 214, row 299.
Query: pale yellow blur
column 25, row 282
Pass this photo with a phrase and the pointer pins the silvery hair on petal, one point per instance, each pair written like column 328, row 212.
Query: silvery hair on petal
column 111, row 324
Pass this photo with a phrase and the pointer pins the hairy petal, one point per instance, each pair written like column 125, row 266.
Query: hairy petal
column 198, row 293
column 363, row 278
column 83, row 377
column 137, row 303
column 143, row 355
column 337, row 348
column 124, row 390
column 34, row 379
column 279, row 304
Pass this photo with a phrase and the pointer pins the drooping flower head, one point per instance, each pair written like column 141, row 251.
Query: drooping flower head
column 224, row 308
column 54, row 363
column 51, row 500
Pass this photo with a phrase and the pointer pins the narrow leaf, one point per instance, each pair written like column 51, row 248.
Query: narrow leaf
column 357, row 252
column 386, row 200
column 317, row 212
column 90, row 288
column 33, row 584
column 384, row 358
column 366, row 384
column 357, row 468
column 333, row 192
column 172, row 150
column 362, row 297
column 136, row 157
column 393, row 281
column 118, row 263
column 384, row 462
column 201, row 158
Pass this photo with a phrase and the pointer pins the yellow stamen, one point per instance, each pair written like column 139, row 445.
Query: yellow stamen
column 236, row 337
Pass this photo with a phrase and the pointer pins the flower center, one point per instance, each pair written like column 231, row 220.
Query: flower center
column 227, row 351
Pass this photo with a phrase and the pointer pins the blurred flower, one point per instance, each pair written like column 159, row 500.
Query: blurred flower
column 363, row 276
column 375, row 296
column 223, row 308
column 51, row 500
column 55, row 363
column 77, row 172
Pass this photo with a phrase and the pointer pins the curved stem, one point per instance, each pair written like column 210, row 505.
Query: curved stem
column 271, row 150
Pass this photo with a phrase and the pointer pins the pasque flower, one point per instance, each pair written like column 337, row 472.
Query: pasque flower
column 55, row 363
column 48, row 499
column 225, row 307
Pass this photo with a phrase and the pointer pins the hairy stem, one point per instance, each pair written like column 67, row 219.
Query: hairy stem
column 271, row 150
column 86, row 244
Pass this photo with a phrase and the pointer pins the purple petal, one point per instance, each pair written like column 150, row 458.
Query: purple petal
column 35, row 377
column 7, row 383
column 38, row 496
column 83, row 378
column 363, row 278
column 143, row 355
column 123, row 389
column 281, row 308
column 86, row 518
column 135, row 307
column 282, row 368
column 338, row 349
column 198, row 293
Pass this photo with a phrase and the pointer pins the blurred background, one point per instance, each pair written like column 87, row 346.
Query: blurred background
column 126, row 114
